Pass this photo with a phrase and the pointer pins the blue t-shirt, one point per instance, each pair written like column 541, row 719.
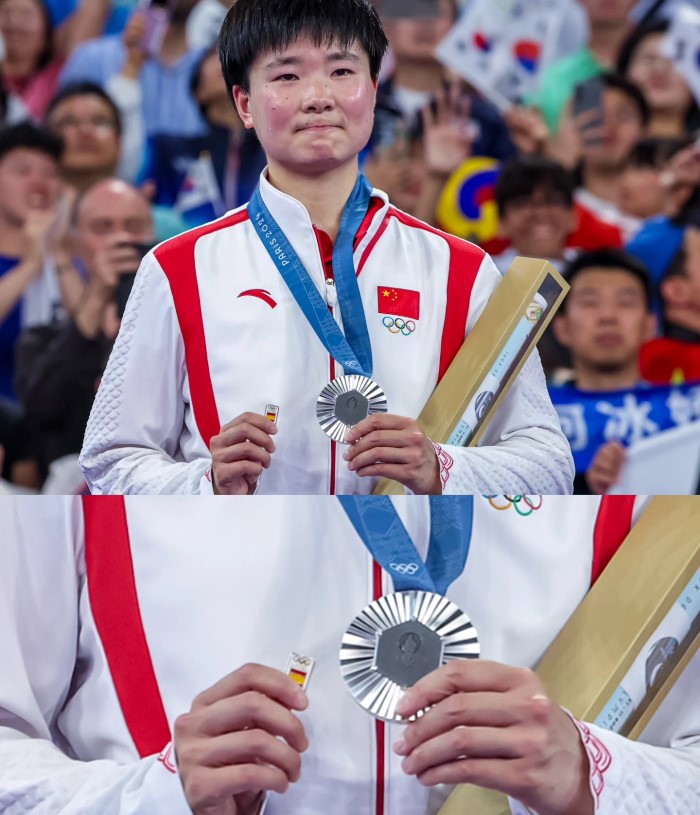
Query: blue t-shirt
column 9, row 332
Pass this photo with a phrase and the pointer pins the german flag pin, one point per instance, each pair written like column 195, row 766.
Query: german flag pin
column 299, row 669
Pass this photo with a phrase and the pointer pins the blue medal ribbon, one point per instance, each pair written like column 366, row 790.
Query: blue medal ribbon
column 379, row 526
column 351, row 350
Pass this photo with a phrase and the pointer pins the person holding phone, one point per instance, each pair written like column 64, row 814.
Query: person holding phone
column 59, row 367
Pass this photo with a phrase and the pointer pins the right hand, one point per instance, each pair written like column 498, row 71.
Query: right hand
column 116, row 259
column 132, row 37
column 240, row 453
column 606, row 467
column 241, row 740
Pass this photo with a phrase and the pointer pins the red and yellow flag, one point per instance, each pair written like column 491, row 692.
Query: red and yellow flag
column 399, row 302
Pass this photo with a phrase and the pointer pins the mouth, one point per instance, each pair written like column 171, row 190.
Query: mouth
column 320, row 127
column 608, row 340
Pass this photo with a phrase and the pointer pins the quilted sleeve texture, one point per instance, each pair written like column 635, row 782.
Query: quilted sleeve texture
column 132, row 440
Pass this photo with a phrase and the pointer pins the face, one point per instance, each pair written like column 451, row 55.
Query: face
column 29, row 180
column 664, row 88
column 606, row 319
column 211, row 87
column 622, row 129
column 683, row 293
column 608, row 11
column 88, row 127
column 312, row 107
column 641, row 192
column 111, row 213
column 416, row 39
column 538, row 224
column 23, row 28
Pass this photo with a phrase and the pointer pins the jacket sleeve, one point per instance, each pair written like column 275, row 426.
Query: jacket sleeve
column 40, row 582
column 523, row 451
column 141, row 413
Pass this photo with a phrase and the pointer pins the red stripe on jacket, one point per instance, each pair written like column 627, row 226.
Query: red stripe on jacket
column 176, row 258
column 115, row 609
column 611, row 528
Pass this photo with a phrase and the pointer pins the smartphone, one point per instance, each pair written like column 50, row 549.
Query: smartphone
column 417, row 9
column 588, row 95
column 157, row 16
column 126, row 281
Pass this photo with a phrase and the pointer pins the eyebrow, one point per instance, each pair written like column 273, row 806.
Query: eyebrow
column 336, row 56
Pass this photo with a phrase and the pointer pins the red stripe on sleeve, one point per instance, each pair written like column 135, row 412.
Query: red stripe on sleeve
column 612, row 527
column 115, row 608
column 176, row 258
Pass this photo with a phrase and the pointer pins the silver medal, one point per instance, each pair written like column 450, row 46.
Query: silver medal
column 398, row 640
column 345, row 402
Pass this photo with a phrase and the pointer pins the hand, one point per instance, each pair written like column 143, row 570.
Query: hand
column 589, row 127
column 606, row 467
column 528, row 130
column 492, row 725
column 394, row 447
column 39, row 226
column 680, row 177
column 132, row 37
column 448, row 135
column 240, row 740
column 240, row 453
column 389, row 169
column 110, row 263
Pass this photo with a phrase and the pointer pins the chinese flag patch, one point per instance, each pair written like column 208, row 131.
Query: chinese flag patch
column 399, row 302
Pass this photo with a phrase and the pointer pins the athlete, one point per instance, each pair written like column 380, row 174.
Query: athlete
column 234, row 329
column 145, row 644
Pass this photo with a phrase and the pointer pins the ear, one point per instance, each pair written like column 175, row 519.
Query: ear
column 242, row 101
column 560, row 327
column 674, row 291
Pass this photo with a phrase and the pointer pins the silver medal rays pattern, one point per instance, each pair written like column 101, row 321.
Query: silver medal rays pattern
column 345, row 402
column 398, row 639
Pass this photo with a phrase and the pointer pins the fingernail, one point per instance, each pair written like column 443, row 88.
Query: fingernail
column 403, row 707
column 346, row 455
column 400, row 747
column 406, row 766
column 351, row 465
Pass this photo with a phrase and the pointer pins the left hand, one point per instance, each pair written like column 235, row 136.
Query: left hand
column 493, row 726
column 395, row 447
column 448, row 135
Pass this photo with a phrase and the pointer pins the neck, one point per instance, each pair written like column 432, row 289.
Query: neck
column 323, row 196
column 667, row 124
column 418, row 76
column 12, row 240
column 80, row 180
column 593, row 379
column 603, row 183
column 605, row 41
column 683, row 318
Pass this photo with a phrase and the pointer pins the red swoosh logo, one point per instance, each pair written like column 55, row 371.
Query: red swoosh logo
column 261, row 294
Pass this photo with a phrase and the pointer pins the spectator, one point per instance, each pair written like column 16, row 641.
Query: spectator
column 674, row 112
column 644, row 188
column 609, row 26
column 604, row 322
column 29, row 66
column 606, row 149
column 59, row 366
column 165, row 79
column 88, row 121
column 676, row 355
column 535, row 198
column 37, row 277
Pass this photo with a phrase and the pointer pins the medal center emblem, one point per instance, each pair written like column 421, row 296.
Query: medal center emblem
column 352, row 408
column 408, row 652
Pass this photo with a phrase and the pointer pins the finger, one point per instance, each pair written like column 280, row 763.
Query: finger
column 245, row 451
column 402, row 456
column 384, row 439
column 209, row 786
column 478, row 709
column 252, row 746
column 254, row 419
column 462, row 676
column 252, row 677
column 378, row 421
column 464, row 742
column 501, row 775
column 242, row 433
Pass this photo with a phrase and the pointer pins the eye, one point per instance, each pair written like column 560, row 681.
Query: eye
column 286, row 77
column 343, row 72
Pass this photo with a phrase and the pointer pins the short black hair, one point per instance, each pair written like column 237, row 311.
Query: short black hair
column 631, row 91
column 29, row 136
column 609, row 259
column 655, row 152
column 84, row 88
column 522, row 175
column 254, row 27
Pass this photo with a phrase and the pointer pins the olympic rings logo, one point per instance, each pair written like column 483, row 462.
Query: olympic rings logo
column 398, row 325
column 404, row 568
column 524, row 505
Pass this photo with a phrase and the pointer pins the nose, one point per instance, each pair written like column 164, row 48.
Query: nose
column 318, row 97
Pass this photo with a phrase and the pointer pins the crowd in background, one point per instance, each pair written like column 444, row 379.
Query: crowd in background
column 118, row 132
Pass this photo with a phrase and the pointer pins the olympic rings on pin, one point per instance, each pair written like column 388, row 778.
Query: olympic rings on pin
column 531, row 503
column 397, row 325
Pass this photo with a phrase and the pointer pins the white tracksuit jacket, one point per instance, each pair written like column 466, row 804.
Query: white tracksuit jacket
column 212, row 331
column 110, row 627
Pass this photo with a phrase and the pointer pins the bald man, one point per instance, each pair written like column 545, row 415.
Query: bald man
column 59, row 367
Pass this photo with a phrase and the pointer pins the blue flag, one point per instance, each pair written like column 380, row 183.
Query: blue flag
column 590, row 419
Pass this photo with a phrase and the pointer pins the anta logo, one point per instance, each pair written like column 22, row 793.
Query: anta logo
column 261, row 294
